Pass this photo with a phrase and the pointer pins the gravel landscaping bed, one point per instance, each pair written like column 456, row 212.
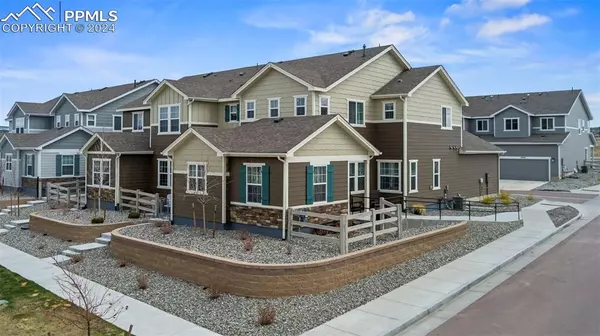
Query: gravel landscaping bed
column 562, row 214
column 481, row 210
column 572, row 182
column 85, row 216
column 234, row 315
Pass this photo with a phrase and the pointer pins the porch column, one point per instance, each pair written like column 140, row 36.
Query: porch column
column 367, row 183
column 286, row 173
column 117, row 179
column 224, row 189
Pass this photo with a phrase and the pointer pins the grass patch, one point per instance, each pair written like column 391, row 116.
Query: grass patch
column 27, row 308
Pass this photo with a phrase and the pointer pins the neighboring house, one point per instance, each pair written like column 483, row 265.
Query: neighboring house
column 50, row 156
column 544, row 134
column 4, row 129
column 27, row 117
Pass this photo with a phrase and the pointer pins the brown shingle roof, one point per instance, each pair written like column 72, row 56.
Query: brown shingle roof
column 406, row 80
column 537, row 103
column 127, row 141
column 138, row 103
column 32, row 140
column 37, row 108
column 472, row 142
column 89, row 99
column 550, row 138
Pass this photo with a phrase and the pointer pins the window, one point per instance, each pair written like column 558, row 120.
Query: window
column 100, row 172
column 168, row 119
column 137, row 121
column 413, row 167
column 233, row 113
column 250, row 109
column 273, row 107
column 389, row 110
column 511, row 124
column 67, row 120
column 483, row 125
column 76, row 119
column 20, row 125
column 196, row 179
column 29, row 164
column 587, row 126
column 58, row 119
column 117, row 123
column 547, row 124
column 356, row 112
column 389, row 176
column 8, row 162
column 254, row 183
column 300, row 105
column 164, row 173
column 356, row 173
column 324, row 105
column 90, row 120
column 580, row 124
column 446, row 117
column 10, row 125
column 319, row 184
column 68, row 165
column 436, row 174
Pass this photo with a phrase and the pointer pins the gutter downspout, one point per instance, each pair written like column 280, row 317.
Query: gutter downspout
column 285, row 195
column 404, row 148
column 189, row 111
column 366, row 202
column 118, row 179
column 223, row 190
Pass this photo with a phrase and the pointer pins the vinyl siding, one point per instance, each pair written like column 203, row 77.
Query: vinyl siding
column 203, row 112
column 499, row 122
column 194, row 150
column 332, row 141
column 10, row 178
column 577, row 112
column 184, row 204
column 221, row 116
column 471, row 126
column 275, row 181
column 158, row 143
column 426, row 103
column 73, row 141
column 64, row 108
column 40, row 123
column 135, row 172
column 128, row 119
column 297, row 182
column 538, row 151
column 559, row 125
column 24, row 167
column 168, row 96
column 48, row 164
column 572, row 151
column 362, row 85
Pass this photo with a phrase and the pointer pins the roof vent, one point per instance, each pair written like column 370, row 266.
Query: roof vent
column 277, row 120
column 207, row 74
column 102, row 88
column 400, row 80
column 241, row 73
column 541, row 93
column 347, row 53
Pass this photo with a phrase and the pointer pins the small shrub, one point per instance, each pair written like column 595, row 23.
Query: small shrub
column 244, row 235
column 488, row 199
column 506, row 201
column 142, row 282
column 418, row 209
column 76, row 258
column 248, row 245
column 97, row 220
column 266, row 315
column 166, row 228
column 504, row 195
column 122, row 263
column 133, row 215
column 530, row 198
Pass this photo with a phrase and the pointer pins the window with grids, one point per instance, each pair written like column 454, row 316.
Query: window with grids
column 19, row 125
column 76, row 119
column 8, row 162
column 413, row 167
column 233, row 112
column 101, row 172
column 137, row 122
column 68, row 165
column 250, row 109
column 319, row 184
column 300, row 105
column 446, row 117
column 58, row 119
column 90, row 120
column 389, row 176
column 164, row 173
column 274, row 107
column 168, row 119
column 356, row 112
column 436, row 174
column 254, row 184
column 389, row 110
column 511, row 124
column 29, row 164
column 196, row 180
column 547, row 124
column 356, row 173
column 67, row 120
column 483, row 125
column 324, row 105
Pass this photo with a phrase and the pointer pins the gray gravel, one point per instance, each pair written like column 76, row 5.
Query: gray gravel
column 234, row 315
column 481, row 210
column 562, row 214
column 572, row 182
column 85, row 216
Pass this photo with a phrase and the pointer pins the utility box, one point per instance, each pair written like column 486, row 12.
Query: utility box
column 459, row 202
column 584, row 169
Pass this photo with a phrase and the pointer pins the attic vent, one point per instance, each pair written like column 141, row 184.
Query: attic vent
column 541, row 93
column 277, row 120
column 206, row 75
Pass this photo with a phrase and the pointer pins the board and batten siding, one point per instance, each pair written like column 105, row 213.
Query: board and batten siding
column 426, row 103
column 48, row 164
column 168, row 96
column 332, row 141
column 204, row 112
column 362, row 85
column 195, row 150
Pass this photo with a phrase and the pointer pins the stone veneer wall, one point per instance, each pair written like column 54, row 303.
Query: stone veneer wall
column 271, row 218
column 70, row 231
column 277, row 280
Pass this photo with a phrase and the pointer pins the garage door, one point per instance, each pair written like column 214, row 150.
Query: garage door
column 526, row 169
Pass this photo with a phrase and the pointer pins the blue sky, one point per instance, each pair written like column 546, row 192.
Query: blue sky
column 488, row 46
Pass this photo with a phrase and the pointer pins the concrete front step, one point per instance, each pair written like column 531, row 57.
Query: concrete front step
column 103, row 241
column 86, row 247
column 107, row 235
column 3, row 214
column 19, row 206
column 3, row 232
column 69, row 253
column 6, row 211
column 9, row 227
column 36, row 202
column 18, row 222
column 57, row 259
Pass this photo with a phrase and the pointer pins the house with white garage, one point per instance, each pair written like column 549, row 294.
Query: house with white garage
column 545, row 134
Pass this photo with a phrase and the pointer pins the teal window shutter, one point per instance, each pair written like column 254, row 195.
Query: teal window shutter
column 242, row 185
column 265, row 185
column 76, row 164
column 227, row 118
column 309, row 184
column 58, row 165
column 329, row 183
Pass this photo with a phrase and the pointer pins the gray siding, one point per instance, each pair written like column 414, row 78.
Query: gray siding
column 559, row 125
column 73, row 141
column 24, row 165
column 64, row 108
column 39, row 123
column 535, row 151
column 572, row 151
column 471, row 126
column 577, row 112
column 511, row 113
column 10, row 178
column 48, row 163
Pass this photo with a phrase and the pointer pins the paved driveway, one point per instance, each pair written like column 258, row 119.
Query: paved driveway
column 558, row 196
column 520, row 185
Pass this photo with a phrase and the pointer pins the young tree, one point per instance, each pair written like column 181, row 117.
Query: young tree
column 101, row 177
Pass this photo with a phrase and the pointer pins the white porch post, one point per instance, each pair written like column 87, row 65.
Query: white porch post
column 285, row 196
column 118, row 179
column 367, row 182
column 224, row 189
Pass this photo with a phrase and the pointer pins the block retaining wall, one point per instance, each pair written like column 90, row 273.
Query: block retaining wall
column 70, row 231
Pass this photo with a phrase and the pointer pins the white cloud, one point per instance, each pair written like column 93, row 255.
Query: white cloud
column 494, row 28
column 444, row 22
column 566, row 12
column 473, row 7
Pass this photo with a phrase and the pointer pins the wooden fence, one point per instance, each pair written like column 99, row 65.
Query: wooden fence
column 386, row 219
column 70, row 193
column 139, row 201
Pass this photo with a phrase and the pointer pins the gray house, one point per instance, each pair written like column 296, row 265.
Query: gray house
column 545, row 134
column 28, row 117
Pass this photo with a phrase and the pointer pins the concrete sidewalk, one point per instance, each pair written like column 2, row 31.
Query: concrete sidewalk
column 146, row 320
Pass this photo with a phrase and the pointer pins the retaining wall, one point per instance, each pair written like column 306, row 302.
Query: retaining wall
column 22, row 200
column 70, row 231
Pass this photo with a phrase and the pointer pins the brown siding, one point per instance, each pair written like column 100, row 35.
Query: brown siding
column 340, row 180
column 183, row 202
column 127, row 121
column 275, row 183
column 387, row 137
column 297, row 182
column 89, row 161
column 135, row 172
column 158, row 144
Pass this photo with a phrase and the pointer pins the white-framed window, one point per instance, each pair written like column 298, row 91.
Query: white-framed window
column 300, row 105
column 446, row 115
column 254, row 183
column 19, row 125
column 8, row 161
column 196, row 178
column 388, row 172
column 250, row 109
column 413, row 173
column 58, row 121
column 233, row 113
column 273, row 107
column 90, row 120
column 137, row 121
column 511, row 124
column 28, row 164
column 117, row 122
column 168, row 119
column 100, row 172
column 389, row 110
column 356, row 112
column 436, row 174
column 76, row 119
column 547, row 124
column 483, row 125
column 68, row 165
column 356, row 176
column 10, row 125
column 67, row 120
column 164, row 173
column 324, row 102
column 320, row 184
column 580, row 125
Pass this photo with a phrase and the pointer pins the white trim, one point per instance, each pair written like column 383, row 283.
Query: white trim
column 390, row 121
column 134, row 109
column 448, row 117
column 357, row 176
column 169, row 173
column 94, row 186
column 253, row 101
column 62, row 165
column 207, row 173
column 6, row 156
column 487, row 125
column 238, row 113
column 278, row 100
column 67, row 120
column 399, row 162
column 169, row 119
column 139, row 118
column 548, row 118
column 90, row 142
column 101, row 172
column 64, row 136
column 11, row 111
column 383, row 103
column 449, row 80
column 356, row 101
column 439, row 174
column 77, row 119
column 318, row 112
column 481, row 152
column 185, row 135
column 254, row 165
column 197, row 177
column 27, row 156
column 321, row 159
column 261, row 206
column 223, row 190
column 305, row 105
column 559, row 165
column 113, row 122
column 57, row 121
column 512, row 130
column 87, row 119
column 63, row 96
column 200, row 123
column 263, row 71
column 304, row 206
column 525, row 143
column 159, row 87
column 137, row 88
column 410, row 175
column 320, row 183
column 510, row 106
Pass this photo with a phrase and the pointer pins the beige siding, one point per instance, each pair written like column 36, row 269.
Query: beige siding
column 221, row 116
column 377, row 109
column 272, row 85
column 332, row 141
column 194, row 150
column 425, row 104
column 363, row 84
column 203, row 112
column 168, row 96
